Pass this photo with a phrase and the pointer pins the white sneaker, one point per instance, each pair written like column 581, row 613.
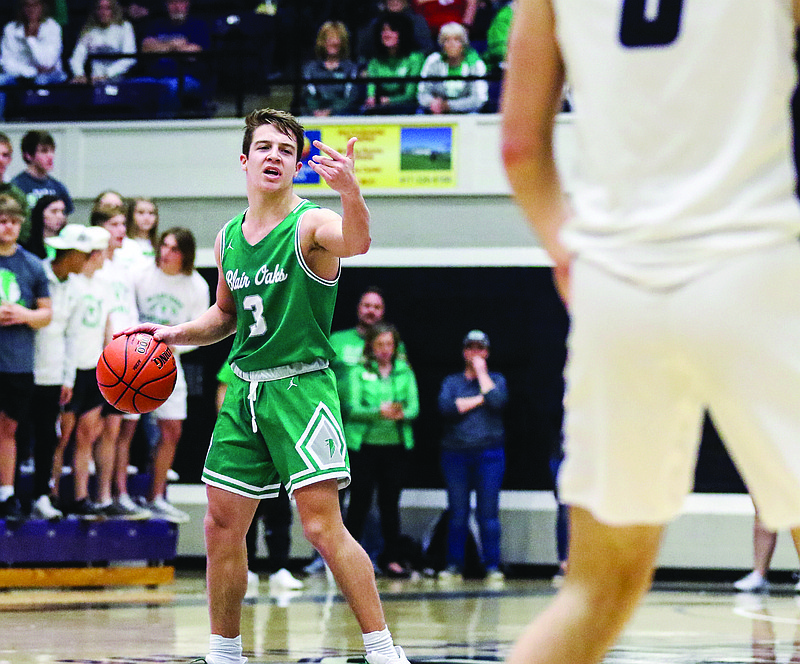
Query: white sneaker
column 283, row 579
column 752, row 583
column 495, row 576
column 252, row 585
column 449, row 575
column 125, row 508
column 43, row 509
column 161, row 509
column 172, row 476
column 379, row 658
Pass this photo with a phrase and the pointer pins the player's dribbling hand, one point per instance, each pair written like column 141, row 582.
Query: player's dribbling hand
column 338, row 170
column 159, row 332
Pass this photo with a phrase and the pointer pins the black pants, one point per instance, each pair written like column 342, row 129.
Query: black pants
column 45, row 440
column 276, row 514
column 377, row 467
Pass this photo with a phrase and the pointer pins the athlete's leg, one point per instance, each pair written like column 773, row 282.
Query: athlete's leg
column 318, row 507
column 123, row 455
column 227, row 519
column 764, row 541
column 104, row 455
column 610, row 569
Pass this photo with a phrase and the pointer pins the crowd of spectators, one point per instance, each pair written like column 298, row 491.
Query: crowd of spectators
column 189, row 50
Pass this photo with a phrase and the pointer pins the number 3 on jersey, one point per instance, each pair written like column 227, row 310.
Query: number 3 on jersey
column 650, row 22
column 255, row 306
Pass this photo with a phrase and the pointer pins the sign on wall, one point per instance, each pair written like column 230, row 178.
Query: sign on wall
column 390, row 156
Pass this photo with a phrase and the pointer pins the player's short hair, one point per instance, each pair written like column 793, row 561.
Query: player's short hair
column 32, row 140
column 284, row 122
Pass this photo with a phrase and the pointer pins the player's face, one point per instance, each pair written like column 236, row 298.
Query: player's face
column 144, row 215
column 55, row 217
column 10, row 227
column 170, row 258
column 272, row 161
column 370, row 309
column 383, row 347
column 6, row 153
column 43, row 158
column 116, row 226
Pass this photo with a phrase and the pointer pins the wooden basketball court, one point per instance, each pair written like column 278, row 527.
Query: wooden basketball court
column 462, row 623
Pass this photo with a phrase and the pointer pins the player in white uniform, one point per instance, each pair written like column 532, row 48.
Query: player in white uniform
column 679, row 261
column 169, row 292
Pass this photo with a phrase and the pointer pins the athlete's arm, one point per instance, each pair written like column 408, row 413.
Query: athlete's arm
column 216, row 323
column 531, row 100
column 347, row 235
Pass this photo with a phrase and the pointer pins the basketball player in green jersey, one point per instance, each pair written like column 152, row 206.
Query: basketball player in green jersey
column 280, row 422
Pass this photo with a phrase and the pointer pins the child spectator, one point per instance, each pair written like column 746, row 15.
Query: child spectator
column 24, row 308
column 456, row 58
column 105, row 31
column 38, row 151
column 54, row 368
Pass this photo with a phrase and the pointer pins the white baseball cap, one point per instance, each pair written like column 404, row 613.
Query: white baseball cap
column 100, row 237
column 72, row 236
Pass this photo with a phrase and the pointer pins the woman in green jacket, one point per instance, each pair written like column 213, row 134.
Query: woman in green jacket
column 382, row 401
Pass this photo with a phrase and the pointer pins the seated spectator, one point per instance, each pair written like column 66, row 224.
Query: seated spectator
column 105, row 31
column 177, row 34
column 456, row 58
column 31, row 46
column 438, row 12
column 332, row 61
column 423, row 40
column 395, row 58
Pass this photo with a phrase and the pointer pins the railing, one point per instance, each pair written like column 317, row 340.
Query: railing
column 139, row 94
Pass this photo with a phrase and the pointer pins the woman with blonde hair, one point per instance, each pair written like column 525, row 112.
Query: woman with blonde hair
column 332, row 61
column 105, row 31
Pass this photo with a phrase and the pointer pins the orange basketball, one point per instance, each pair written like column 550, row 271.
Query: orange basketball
column 136, row 373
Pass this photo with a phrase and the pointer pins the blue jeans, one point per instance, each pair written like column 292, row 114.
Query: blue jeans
column 480, row 471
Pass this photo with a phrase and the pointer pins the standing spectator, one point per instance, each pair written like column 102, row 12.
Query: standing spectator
column 394, row 58
column 422, row 38
column 276, row 517
column 332, row 61
column 54, row 366
column 141, row 222
column 497, row 37
column 177, row 34
column 170, row 292
column 24, row 308
column 438, row 12
column 47, row 220
column 473, row 455
column 382, row 402
column 6, row 155
column 456, row 58
column 31, row 46
column 38, row 151
column 105, row 31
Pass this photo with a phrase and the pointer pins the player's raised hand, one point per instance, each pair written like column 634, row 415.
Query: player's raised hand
column 337, row 169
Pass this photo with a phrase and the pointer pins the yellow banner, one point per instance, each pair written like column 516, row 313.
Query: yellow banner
column 389, row 156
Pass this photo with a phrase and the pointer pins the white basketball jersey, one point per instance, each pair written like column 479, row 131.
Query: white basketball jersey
column 684, row 143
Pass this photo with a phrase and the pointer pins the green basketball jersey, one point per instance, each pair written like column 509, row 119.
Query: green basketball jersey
column 283, row 309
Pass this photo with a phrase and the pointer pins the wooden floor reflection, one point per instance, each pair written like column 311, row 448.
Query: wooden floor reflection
column 681, row 624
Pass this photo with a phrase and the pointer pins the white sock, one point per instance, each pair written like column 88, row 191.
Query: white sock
column 222, row 650
column 380, row 642
column 5, row 493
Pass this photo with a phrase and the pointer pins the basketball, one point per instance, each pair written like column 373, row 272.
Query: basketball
column 136, row 373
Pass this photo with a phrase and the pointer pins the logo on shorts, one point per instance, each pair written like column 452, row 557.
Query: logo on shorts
column 322, row 443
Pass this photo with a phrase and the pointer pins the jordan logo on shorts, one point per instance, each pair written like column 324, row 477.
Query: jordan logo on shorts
column 291, row 383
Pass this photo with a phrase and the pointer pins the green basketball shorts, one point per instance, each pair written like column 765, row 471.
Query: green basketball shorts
column 282, row 431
